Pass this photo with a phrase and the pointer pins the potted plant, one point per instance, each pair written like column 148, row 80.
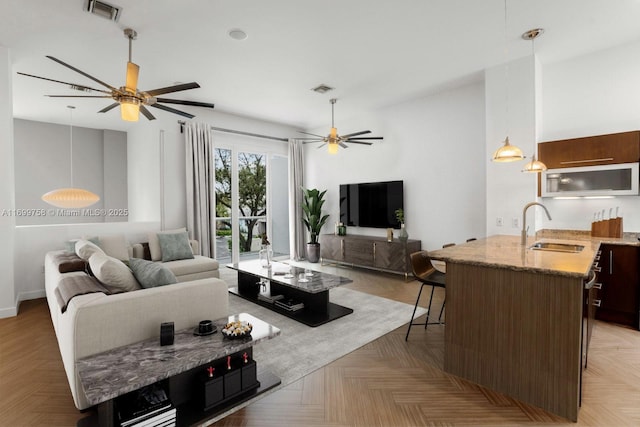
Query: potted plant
column 313, row 220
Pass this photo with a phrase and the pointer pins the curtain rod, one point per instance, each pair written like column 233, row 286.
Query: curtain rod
column 238, row 132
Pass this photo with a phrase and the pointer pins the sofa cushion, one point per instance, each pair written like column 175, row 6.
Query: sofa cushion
column 151, row 274
column 175, row 246
column 85, row 248
column 115, row 246
column 154, row 243
column 113, row 273
column 198, row 264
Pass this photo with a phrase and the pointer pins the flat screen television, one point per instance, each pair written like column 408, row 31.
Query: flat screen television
column 371, row 204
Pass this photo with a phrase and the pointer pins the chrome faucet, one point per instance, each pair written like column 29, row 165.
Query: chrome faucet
column 523, row 239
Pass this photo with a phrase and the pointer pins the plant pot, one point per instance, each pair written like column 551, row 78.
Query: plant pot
column 313, row 252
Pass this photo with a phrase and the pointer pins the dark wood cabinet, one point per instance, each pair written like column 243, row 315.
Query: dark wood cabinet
column 369, row 251
column 592, row 150
column 620, row 279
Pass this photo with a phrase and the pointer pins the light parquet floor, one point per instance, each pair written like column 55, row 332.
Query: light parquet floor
column 387, row 382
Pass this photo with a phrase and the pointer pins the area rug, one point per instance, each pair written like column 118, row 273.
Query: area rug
column 300, row 349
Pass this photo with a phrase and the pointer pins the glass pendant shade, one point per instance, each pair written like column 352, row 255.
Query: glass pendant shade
column 507, row 153
column 70, row 198
column 333, row 148
column 130, row 109
column 535, row 166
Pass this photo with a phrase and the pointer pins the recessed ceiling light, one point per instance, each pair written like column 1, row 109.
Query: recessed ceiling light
column 237, row 34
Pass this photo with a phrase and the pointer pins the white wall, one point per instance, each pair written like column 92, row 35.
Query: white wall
column 7, row 222
column 42, row 163
column 434, row 144
column 592, row 95
column 510, row 95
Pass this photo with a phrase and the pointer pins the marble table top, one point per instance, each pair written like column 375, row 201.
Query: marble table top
column 507, row 252
column 316, row 281
column 115, row 372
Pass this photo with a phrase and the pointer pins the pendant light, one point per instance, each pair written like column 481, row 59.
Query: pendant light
column 70, row 197
column 534, row 166
column 508, row 152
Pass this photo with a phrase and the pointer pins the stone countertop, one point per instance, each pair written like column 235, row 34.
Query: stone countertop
column 506, row 252
column 115, row 372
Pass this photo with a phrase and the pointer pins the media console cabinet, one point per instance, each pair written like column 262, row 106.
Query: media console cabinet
column 369, row 252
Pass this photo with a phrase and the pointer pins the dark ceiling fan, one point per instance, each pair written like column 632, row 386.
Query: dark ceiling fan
column 128, row 97
column 334, row 140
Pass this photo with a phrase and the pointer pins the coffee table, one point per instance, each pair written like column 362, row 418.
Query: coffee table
column 254, row 280
column 181, row 367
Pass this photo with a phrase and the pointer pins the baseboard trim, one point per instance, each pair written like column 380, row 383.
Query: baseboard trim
column 25, row 296
column 8, row 312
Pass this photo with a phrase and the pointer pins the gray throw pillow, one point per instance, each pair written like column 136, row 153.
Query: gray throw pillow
column 175, row 246
column 151, row 274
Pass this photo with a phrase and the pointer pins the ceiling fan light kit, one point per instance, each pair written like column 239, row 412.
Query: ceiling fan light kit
column 334, row 140
column 131, row 101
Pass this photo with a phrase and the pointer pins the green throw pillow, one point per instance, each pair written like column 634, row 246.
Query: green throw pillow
column 151, row 274
column 175, row 246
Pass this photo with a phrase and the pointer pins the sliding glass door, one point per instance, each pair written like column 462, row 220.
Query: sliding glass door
column 243, row 203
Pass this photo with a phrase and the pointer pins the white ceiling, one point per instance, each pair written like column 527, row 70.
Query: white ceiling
column 373, row 53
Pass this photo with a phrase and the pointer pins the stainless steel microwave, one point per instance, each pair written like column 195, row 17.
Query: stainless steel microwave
column 606, row 180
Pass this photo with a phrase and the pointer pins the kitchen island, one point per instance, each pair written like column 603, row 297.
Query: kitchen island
column 514, row 318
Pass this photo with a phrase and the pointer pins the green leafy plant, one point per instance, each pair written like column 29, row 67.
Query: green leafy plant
column 312, row 212
column 400, row 215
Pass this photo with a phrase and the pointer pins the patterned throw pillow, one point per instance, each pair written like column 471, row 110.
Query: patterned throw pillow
column 151, row 274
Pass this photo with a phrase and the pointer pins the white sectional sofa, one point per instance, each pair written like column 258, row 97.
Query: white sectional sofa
column 95, row 322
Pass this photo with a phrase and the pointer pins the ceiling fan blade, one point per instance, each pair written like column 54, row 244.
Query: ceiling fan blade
column 83, row 73
column 178, row 101
column 72, row 85
column 355, row 134
column 359, row 142
column 312, row 141
column 146, row 113
column 132, row 77
column 172, row 110
column 321, row 145
column 368, row 137
column 78, row 96
column 109, row 107
column 312, row 134
column 343, row 145
column 169, row 89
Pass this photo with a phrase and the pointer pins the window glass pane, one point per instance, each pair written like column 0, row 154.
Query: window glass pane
column 252, row 200
column 223, row 203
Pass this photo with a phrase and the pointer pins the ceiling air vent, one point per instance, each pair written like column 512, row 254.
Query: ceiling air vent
column 104, row 10
column 322, row 88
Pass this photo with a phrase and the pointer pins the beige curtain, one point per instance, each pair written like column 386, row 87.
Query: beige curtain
column 297, row 244
column 200, row 174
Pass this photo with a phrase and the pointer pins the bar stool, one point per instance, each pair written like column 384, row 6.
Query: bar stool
column 427, row 274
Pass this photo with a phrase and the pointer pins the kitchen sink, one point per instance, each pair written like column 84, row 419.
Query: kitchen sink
column 556, row 247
